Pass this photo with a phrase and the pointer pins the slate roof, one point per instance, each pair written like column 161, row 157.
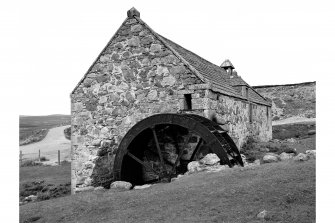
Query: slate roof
column 216, row 75
column 211, row 72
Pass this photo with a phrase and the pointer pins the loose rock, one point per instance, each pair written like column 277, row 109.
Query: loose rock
column 285, row 156
column 292, row 140
column 270, row 158
column 193, row 166
column 121, row 185
column 31, row 198
column 99, row 188
column 311, row 132
column 311, row 153
column 142, row 187
column 84, row 189
column 262, row 214
column 210, row 159
column 301, row 157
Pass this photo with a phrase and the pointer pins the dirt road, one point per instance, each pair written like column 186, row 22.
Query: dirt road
column 54, row 141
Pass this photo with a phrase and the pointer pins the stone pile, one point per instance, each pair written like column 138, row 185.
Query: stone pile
column 272, row 157
column 210, row 163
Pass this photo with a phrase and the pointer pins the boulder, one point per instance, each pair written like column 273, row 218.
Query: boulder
column 193, row 166
column 257, row 162
column 291, row 140
column 301, row 157
column 31, row 198
column 99, row 188
column 210, row 159
column 311, row 132
column 84, row 189
column 262, row 214
column 216, row 168
column 270, row 158
column 142, row 187
column 121, row 185
column 286, row 156
column 311, row 153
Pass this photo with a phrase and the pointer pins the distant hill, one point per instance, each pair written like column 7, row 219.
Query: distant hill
column 32, row 125
column 290, row 100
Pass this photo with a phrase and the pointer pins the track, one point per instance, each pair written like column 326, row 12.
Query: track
column 54, row 141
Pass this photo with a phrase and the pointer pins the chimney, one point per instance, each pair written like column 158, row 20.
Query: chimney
column 133, row 12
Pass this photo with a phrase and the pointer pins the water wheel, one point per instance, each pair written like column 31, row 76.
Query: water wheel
column 160, row 147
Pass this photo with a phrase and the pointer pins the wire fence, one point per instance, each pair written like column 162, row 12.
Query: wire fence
column 48, row 158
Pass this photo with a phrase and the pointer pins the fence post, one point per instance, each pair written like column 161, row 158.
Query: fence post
column 39, row 155
column 59, row 157
column 21, row 157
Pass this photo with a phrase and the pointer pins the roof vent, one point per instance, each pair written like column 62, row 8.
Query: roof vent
column 133, row 12
column 227, row 64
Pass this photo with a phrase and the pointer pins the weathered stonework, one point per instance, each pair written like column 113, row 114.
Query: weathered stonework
column 137, row 76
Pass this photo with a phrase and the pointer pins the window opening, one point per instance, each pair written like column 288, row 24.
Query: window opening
column 187, row 101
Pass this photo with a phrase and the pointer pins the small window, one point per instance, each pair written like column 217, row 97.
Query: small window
column 250, row 113
column 267, row 112
column 246, row 92
column 187, row 101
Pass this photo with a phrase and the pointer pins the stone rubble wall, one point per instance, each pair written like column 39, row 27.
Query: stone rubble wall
column 135, row 77
column 233, row 115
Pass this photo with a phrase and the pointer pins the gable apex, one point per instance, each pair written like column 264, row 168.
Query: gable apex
column 133, row 12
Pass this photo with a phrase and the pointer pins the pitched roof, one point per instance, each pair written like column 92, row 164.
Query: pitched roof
column 211, row 72
column 215, row 75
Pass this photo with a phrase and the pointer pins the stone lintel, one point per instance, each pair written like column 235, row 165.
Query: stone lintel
column 182, row 92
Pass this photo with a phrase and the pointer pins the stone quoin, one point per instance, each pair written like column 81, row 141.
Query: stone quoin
column 141, row 73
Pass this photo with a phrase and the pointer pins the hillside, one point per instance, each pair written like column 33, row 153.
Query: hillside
column 286, row 190
column 291, row 101
column 37, row 126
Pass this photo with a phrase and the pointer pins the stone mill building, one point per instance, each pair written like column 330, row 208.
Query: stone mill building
column 141, row 73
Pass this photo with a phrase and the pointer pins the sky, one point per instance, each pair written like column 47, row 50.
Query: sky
column 47, row 46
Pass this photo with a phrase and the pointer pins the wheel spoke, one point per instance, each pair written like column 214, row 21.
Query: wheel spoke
column 158, row 149
column 141, row 162
column 196, row 149
column 181, row 150
column 165, row 160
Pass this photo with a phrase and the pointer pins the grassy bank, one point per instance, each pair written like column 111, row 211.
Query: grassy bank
column 286, row 190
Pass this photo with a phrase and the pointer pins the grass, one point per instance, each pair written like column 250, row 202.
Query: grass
column 50, row 174
column 45, row 182
column 286, row 190
column 291, row 131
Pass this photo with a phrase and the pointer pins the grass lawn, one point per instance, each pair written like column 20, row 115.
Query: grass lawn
column 285, row 189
